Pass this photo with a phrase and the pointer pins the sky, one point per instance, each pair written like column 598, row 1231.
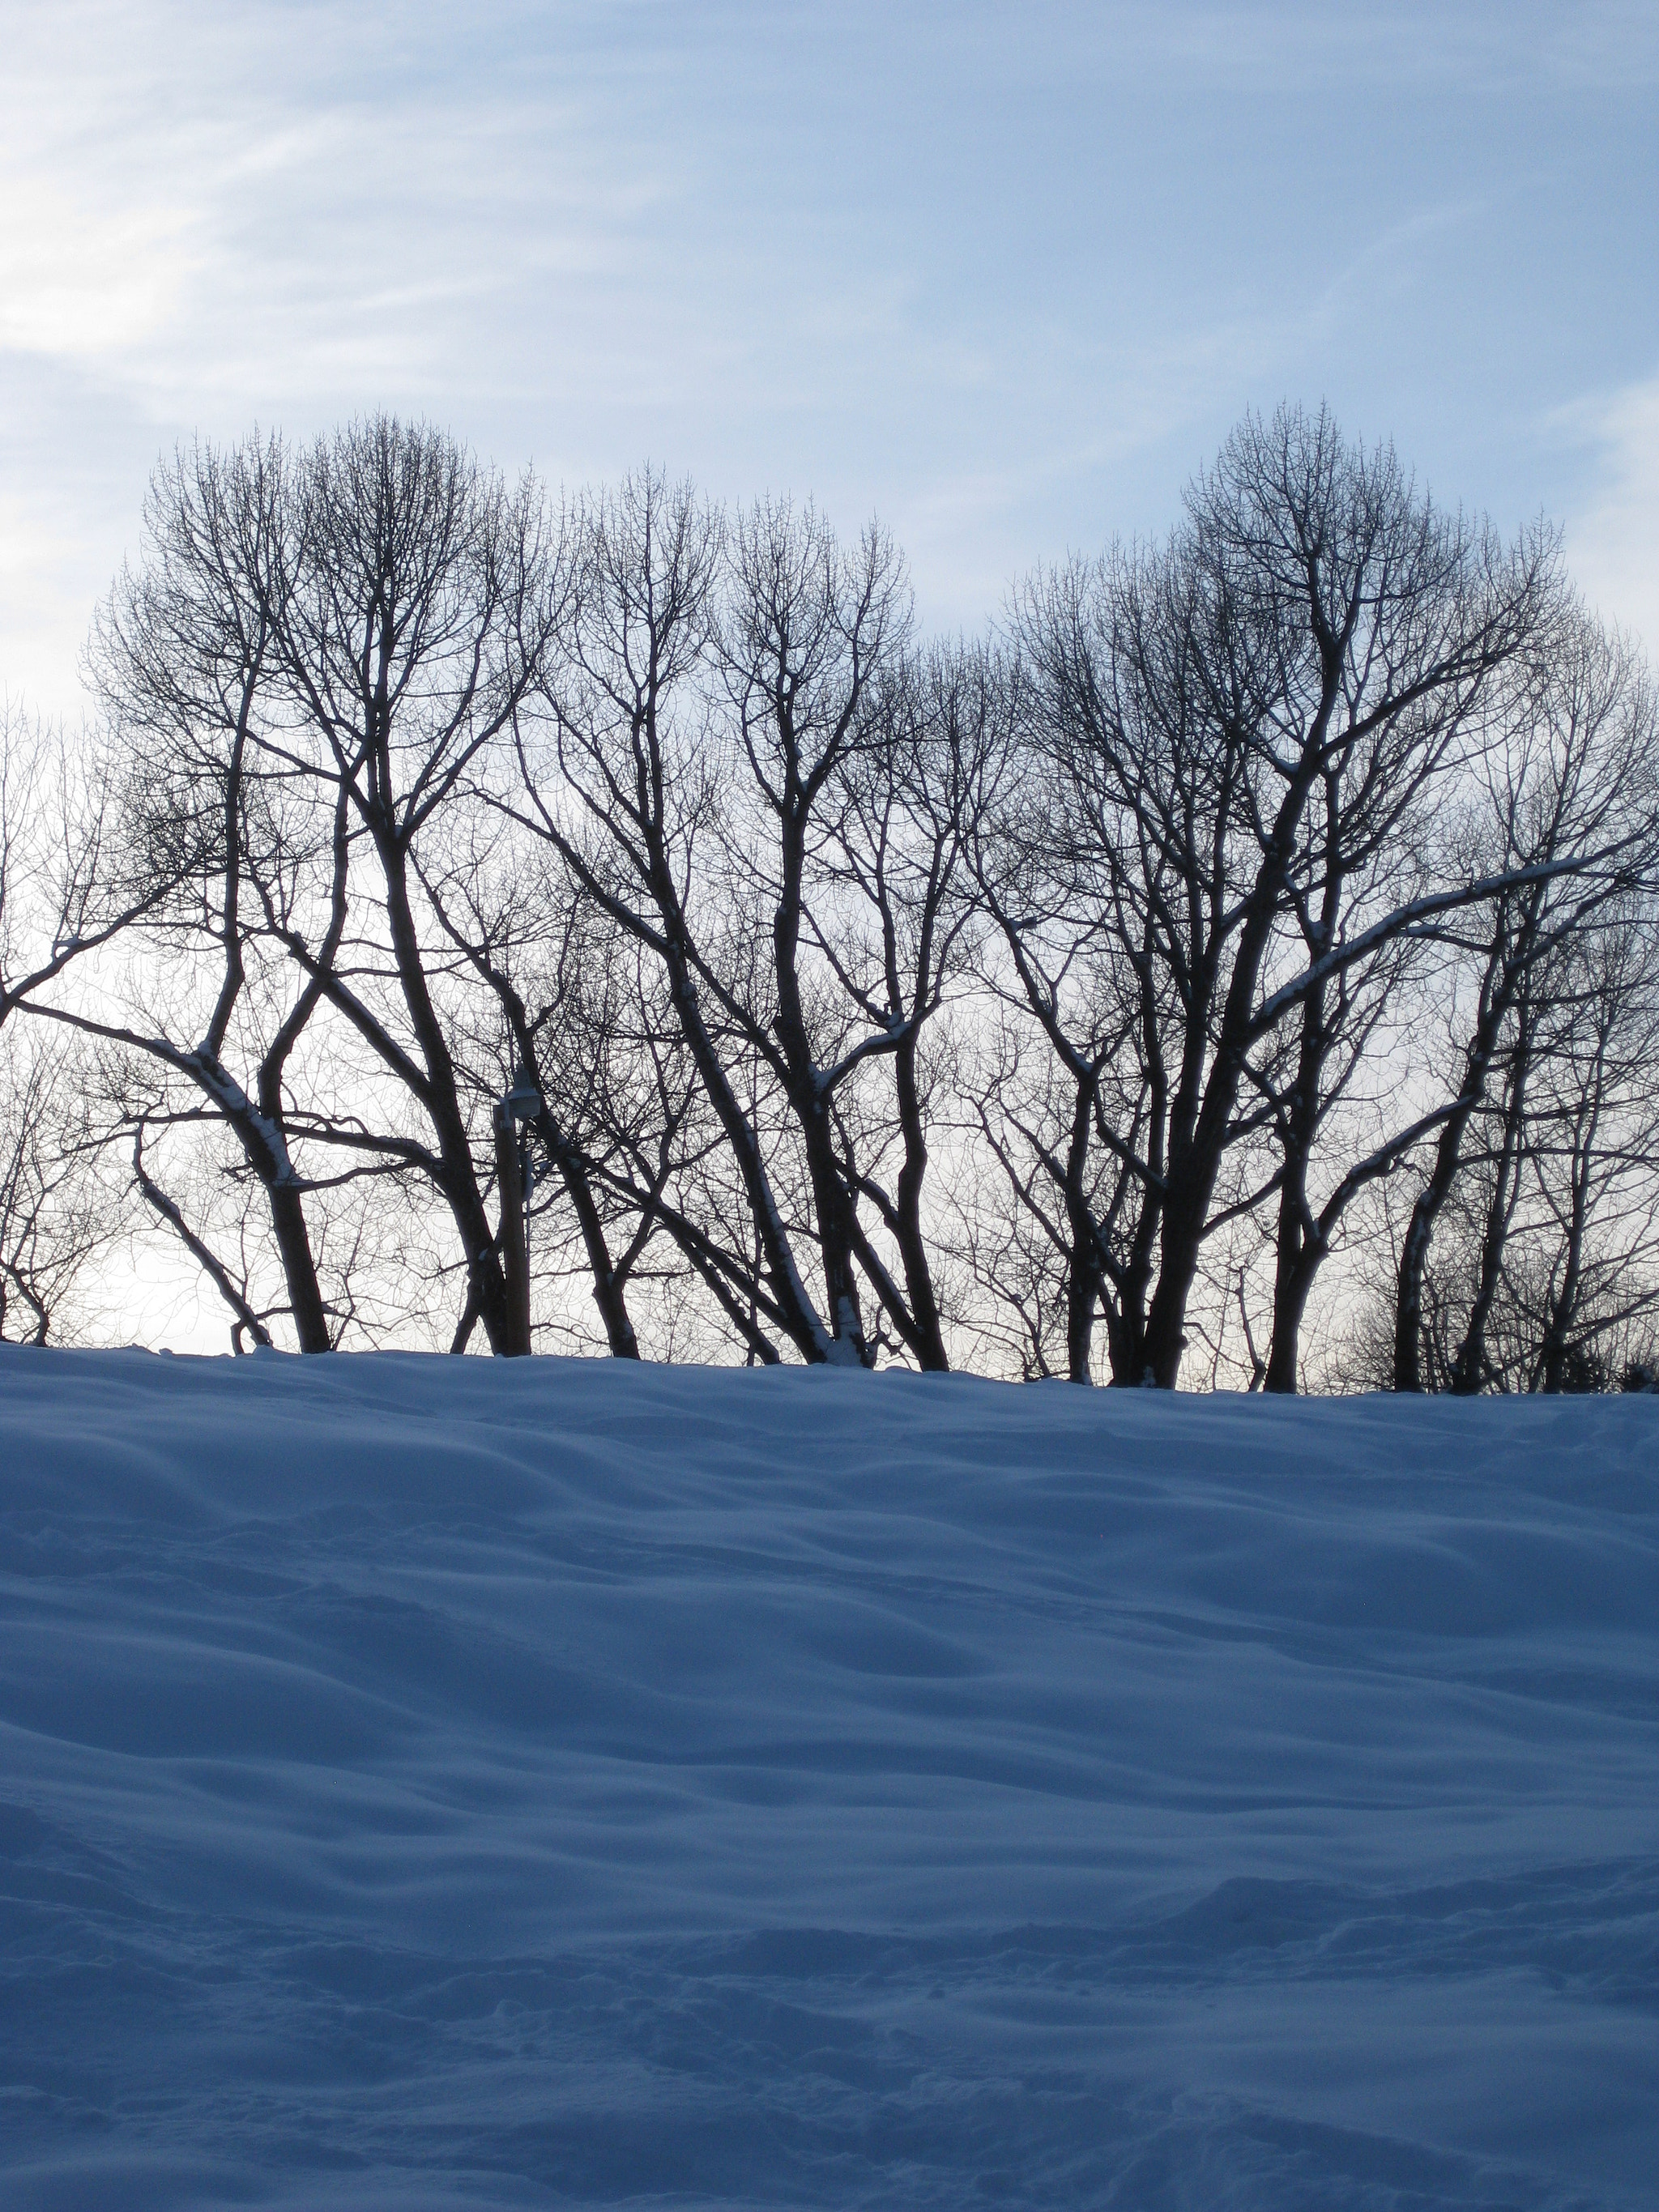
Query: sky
column 1003, row 275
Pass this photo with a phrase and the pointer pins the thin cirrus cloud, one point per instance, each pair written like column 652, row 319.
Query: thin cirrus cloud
column 1004, row 275
column 1613, row 538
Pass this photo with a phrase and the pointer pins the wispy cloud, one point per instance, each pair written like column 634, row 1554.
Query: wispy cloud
column 1005, row 275
column 1612, row 540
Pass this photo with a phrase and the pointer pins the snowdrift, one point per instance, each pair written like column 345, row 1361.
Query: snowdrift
column 430, row 1782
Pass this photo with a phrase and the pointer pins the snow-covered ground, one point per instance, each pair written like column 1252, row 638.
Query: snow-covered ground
column 439, row 1783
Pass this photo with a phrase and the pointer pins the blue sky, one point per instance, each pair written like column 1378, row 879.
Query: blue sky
column 1004, row 275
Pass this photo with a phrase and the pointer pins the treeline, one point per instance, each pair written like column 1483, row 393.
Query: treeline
column 1240, row 965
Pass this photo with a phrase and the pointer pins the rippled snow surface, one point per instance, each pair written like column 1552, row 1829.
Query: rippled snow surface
column 431, row 1782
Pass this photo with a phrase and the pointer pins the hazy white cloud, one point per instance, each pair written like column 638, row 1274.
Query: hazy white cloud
column 87, row 282
column 1612, row 542
column 248, row 224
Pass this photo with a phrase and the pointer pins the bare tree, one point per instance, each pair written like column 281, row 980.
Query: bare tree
column 1567, row 820
column 1052, row 1110
column 619, row 782
column 1316, row 633
column 736, row 774
column 1070, row 999
column 1546, row 1261
column 1594, row 1149
column 67, row 899
column 892, row 917
column 551, row 978
column 183, row 658
column 57, row 1216
column 408, row 624
column 64, row 893
column 1366, row 857
column 807, row 634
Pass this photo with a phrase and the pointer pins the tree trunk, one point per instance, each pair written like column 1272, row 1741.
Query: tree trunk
column 608, row 1293
column 1296, row 1259
column 832, row 1202
column 1083, row 1274
column 1564, row 1305
column 515, row 1260
column 304, row 1296
column 926, row 1334
column 457, row 1178
column 1469, row 1368
column 1498, row 990
column 1292, row 1285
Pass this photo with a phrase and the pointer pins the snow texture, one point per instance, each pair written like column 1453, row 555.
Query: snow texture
column 435, row 1783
